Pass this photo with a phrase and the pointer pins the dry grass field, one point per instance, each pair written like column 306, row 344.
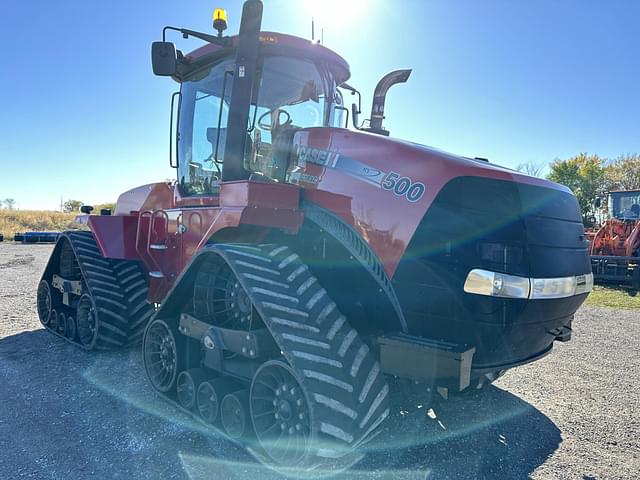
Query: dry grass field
column 12, row 221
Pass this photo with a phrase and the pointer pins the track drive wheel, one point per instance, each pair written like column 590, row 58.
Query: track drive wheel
column 44, row 301
column 161, row 355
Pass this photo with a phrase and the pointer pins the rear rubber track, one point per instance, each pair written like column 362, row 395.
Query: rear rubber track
column 118, row 289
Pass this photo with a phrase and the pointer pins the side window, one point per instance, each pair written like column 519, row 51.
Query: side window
column 203, row 120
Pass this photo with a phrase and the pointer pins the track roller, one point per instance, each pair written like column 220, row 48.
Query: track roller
column 187, row 385
column 86, row 321
column 209, row 395
column 234, row 414
column 53, row 320
column 71, row 328
column 62, row 324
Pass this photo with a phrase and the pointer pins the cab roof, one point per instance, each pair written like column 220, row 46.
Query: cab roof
column 279, row 43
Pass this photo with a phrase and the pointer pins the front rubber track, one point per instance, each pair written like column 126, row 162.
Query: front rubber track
column 118, row 289
column 342, row 379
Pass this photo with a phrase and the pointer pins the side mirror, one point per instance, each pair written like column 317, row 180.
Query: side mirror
column 86, row 209
column 355, row 111
column 164, row 58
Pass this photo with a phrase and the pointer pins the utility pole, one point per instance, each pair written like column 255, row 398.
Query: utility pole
column 61, row 204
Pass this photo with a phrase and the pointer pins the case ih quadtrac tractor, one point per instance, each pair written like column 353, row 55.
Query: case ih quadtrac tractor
column 297, row 271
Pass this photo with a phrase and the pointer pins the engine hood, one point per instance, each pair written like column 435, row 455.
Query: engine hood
column 384, row 187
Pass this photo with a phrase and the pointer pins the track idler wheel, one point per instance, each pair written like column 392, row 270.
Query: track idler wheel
column 44, row 302
column 210, row 395
column 187, row 385
column 86, row 321
column 71, row 328
column 280, row 413
column 234, row 414
column 161, row 355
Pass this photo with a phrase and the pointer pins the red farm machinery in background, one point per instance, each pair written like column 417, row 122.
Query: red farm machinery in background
column 615, row 245
column 297, row 270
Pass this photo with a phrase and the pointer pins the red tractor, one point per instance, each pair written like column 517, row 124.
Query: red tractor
column 297, row 269
column 615, row 246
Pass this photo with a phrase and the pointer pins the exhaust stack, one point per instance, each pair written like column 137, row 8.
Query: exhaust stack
column 379, row 97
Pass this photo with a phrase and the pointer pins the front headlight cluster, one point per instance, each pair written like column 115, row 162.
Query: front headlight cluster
column 494, row 284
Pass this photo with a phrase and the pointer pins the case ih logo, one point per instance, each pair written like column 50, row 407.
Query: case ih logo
column 394, row 182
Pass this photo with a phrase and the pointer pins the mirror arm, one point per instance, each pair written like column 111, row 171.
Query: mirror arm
column 186, row 33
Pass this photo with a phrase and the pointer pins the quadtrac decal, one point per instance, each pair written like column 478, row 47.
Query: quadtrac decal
column 400, row 185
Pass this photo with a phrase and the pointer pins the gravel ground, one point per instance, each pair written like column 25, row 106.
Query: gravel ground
column 67, row 414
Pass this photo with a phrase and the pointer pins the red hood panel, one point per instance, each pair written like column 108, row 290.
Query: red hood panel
column 388, row 184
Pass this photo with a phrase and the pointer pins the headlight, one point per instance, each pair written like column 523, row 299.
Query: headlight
column 494, row 284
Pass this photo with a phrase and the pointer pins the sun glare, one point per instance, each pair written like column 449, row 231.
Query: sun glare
column 330, row 13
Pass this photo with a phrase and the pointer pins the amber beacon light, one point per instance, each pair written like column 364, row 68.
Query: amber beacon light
column 220, row 20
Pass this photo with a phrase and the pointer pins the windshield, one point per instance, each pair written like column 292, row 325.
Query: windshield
column 290, row 93
column 625, row 205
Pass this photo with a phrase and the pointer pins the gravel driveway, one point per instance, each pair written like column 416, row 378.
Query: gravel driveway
column 67, row 414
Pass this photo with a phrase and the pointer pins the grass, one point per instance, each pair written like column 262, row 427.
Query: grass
column 612, row 298
column 12, row 221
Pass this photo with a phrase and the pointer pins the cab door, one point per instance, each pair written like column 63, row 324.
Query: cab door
column 202, row 136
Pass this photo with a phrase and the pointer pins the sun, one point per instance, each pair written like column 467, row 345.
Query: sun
column 330, row 13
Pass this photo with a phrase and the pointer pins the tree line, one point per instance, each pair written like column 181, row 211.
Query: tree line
column 591, row 177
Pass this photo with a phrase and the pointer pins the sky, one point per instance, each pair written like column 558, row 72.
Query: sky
column 83, row 116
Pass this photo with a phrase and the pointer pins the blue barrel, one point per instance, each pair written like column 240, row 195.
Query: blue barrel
column 39, row 237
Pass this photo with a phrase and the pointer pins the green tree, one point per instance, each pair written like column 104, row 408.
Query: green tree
column 10, row 203
column 623, row 173
column 585, row 175
column 72, row 206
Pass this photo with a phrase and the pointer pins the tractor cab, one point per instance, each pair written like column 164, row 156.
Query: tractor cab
column 293, row 89
column 624, row 205
column 242, row 98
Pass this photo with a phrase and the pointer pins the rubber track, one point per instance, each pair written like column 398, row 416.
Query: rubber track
column 342, row 377
column 119, row 291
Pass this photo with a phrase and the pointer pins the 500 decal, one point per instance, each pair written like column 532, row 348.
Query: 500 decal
column 403, row 186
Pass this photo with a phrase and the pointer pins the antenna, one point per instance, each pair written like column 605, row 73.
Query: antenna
column 313, row 29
